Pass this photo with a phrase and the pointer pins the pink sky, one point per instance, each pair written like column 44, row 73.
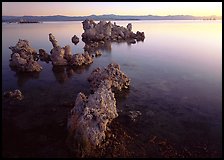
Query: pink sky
column 120, row 8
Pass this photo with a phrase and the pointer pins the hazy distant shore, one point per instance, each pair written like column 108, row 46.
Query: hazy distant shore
column 106, row 17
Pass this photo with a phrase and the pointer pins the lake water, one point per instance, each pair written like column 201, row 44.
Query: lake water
column 176, row 84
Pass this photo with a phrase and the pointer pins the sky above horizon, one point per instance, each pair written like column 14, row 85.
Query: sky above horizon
column 118, row 8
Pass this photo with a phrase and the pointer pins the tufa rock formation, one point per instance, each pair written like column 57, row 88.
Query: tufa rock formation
column 104, row 31
column 24, row 57
column 90, row 118
column 113, row 73
column 63, row 56
column 59, row 54
column 81, row 59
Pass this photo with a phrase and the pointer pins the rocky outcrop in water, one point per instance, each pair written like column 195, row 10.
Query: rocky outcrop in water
column 63, row 55
column 14, row 95
column 113, row 73
column 90, row 118
column 134, row 115
column 75, row 39
column 81, row 59
column 24, row 57
column 103, row 31
column 59, row 54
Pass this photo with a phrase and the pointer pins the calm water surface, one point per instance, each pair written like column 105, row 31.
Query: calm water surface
column 175, row 83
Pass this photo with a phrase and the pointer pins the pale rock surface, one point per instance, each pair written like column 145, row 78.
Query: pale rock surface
column 112, row 73
column 91, row 116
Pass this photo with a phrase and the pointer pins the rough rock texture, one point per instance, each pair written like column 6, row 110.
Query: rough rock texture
column 75, row 39
column 63, row 56
column 81, row 59
column 14, row 95
column 23, row 47
column 44, row 56
column 90, row 117
column 113, row 73
column 107, row 31
column 57, row 53
column 24, row 57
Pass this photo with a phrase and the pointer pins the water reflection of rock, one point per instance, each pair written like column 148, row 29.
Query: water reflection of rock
column 63, row 73
column 23, row 77
column 92, row 47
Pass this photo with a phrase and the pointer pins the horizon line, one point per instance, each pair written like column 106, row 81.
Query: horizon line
column 109, row 14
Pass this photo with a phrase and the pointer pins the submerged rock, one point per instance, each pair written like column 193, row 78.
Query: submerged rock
column 134, row 115
column 24, row 57
column 75, row 39
column 14, row 95
column 112, row 73
column 90, row 118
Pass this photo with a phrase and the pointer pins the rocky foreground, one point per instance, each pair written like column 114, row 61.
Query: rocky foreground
column 89, row 119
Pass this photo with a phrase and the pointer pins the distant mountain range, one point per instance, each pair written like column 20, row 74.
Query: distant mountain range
column 105, row 17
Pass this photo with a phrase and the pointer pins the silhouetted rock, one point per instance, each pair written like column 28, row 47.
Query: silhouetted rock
column 24, row 57
column 140, row 36
column 75, row 39
column 129, row 27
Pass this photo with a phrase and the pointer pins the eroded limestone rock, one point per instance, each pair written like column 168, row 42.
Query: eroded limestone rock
column 24, row 57
column 91, row 116
column 112, row 73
